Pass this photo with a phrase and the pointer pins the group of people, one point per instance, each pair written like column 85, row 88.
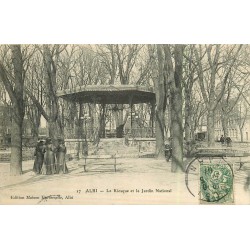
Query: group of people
column 50, row 159
column 225, row 141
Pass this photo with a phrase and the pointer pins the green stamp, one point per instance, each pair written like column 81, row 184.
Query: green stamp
column 216, row 183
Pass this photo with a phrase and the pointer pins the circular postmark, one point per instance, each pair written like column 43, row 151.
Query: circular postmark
column 216, row 182
column 190, row 170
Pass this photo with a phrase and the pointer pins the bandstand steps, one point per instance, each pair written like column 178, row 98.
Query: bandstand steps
column 117, row 146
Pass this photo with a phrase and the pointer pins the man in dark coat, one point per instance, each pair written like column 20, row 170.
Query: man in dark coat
column 168, row 149
column 222, row 140
column 39, row 154
column 229, row 141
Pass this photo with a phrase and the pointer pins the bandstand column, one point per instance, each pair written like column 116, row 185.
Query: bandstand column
column 131, row 113
column 103, row 120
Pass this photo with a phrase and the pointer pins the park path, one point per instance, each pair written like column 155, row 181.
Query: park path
column 137, row 181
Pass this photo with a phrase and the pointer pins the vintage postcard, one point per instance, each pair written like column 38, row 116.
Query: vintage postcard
column 124, row 124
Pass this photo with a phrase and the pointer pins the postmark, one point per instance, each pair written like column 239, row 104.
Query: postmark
column 216, row 183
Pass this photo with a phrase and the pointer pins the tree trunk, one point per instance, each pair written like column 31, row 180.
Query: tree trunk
column 54, row 130
column 160, row 109
column 152, row 119
column 50, row 75
column 175, row 86
column 210, row 128
column 118, row 114
column 35, row 127
column 188, row 114
column 159, row 133
column 102, row 122
column 224, row 121
column 91, row 122
column 35, row 134
column 177, row 132
column 16, row 147
column 16, row 95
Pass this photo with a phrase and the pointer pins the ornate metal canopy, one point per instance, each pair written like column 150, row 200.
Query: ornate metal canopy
column 109, row 94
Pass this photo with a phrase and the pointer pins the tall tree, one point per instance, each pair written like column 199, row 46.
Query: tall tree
column 242, row 115
column 220, row 60
column 34, row 83
column 189, row 79
column 14, row 84
column 50, row 59
column 236, row 87
column 160, row 93
column 49, row 108
column 174, row 68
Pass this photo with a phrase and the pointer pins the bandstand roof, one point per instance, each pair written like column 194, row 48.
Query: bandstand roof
column 108, row 94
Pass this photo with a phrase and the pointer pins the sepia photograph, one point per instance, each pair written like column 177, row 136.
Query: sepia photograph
column 124, row 124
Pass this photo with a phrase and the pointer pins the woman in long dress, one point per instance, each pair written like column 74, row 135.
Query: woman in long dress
column 49, row 158
column 60, row 157
column 39, row 154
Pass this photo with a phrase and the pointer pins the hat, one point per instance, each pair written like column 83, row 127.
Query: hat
column 48, row 141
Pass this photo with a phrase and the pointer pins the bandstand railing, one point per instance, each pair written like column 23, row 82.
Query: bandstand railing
column 144, row 132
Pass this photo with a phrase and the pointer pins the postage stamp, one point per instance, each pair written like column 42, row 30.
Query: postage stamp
column 216, row 183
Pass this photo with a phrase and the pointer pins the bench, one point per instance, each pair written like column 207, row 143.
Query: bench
column 210, row 154
column 223, row 152
column 110, row 160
